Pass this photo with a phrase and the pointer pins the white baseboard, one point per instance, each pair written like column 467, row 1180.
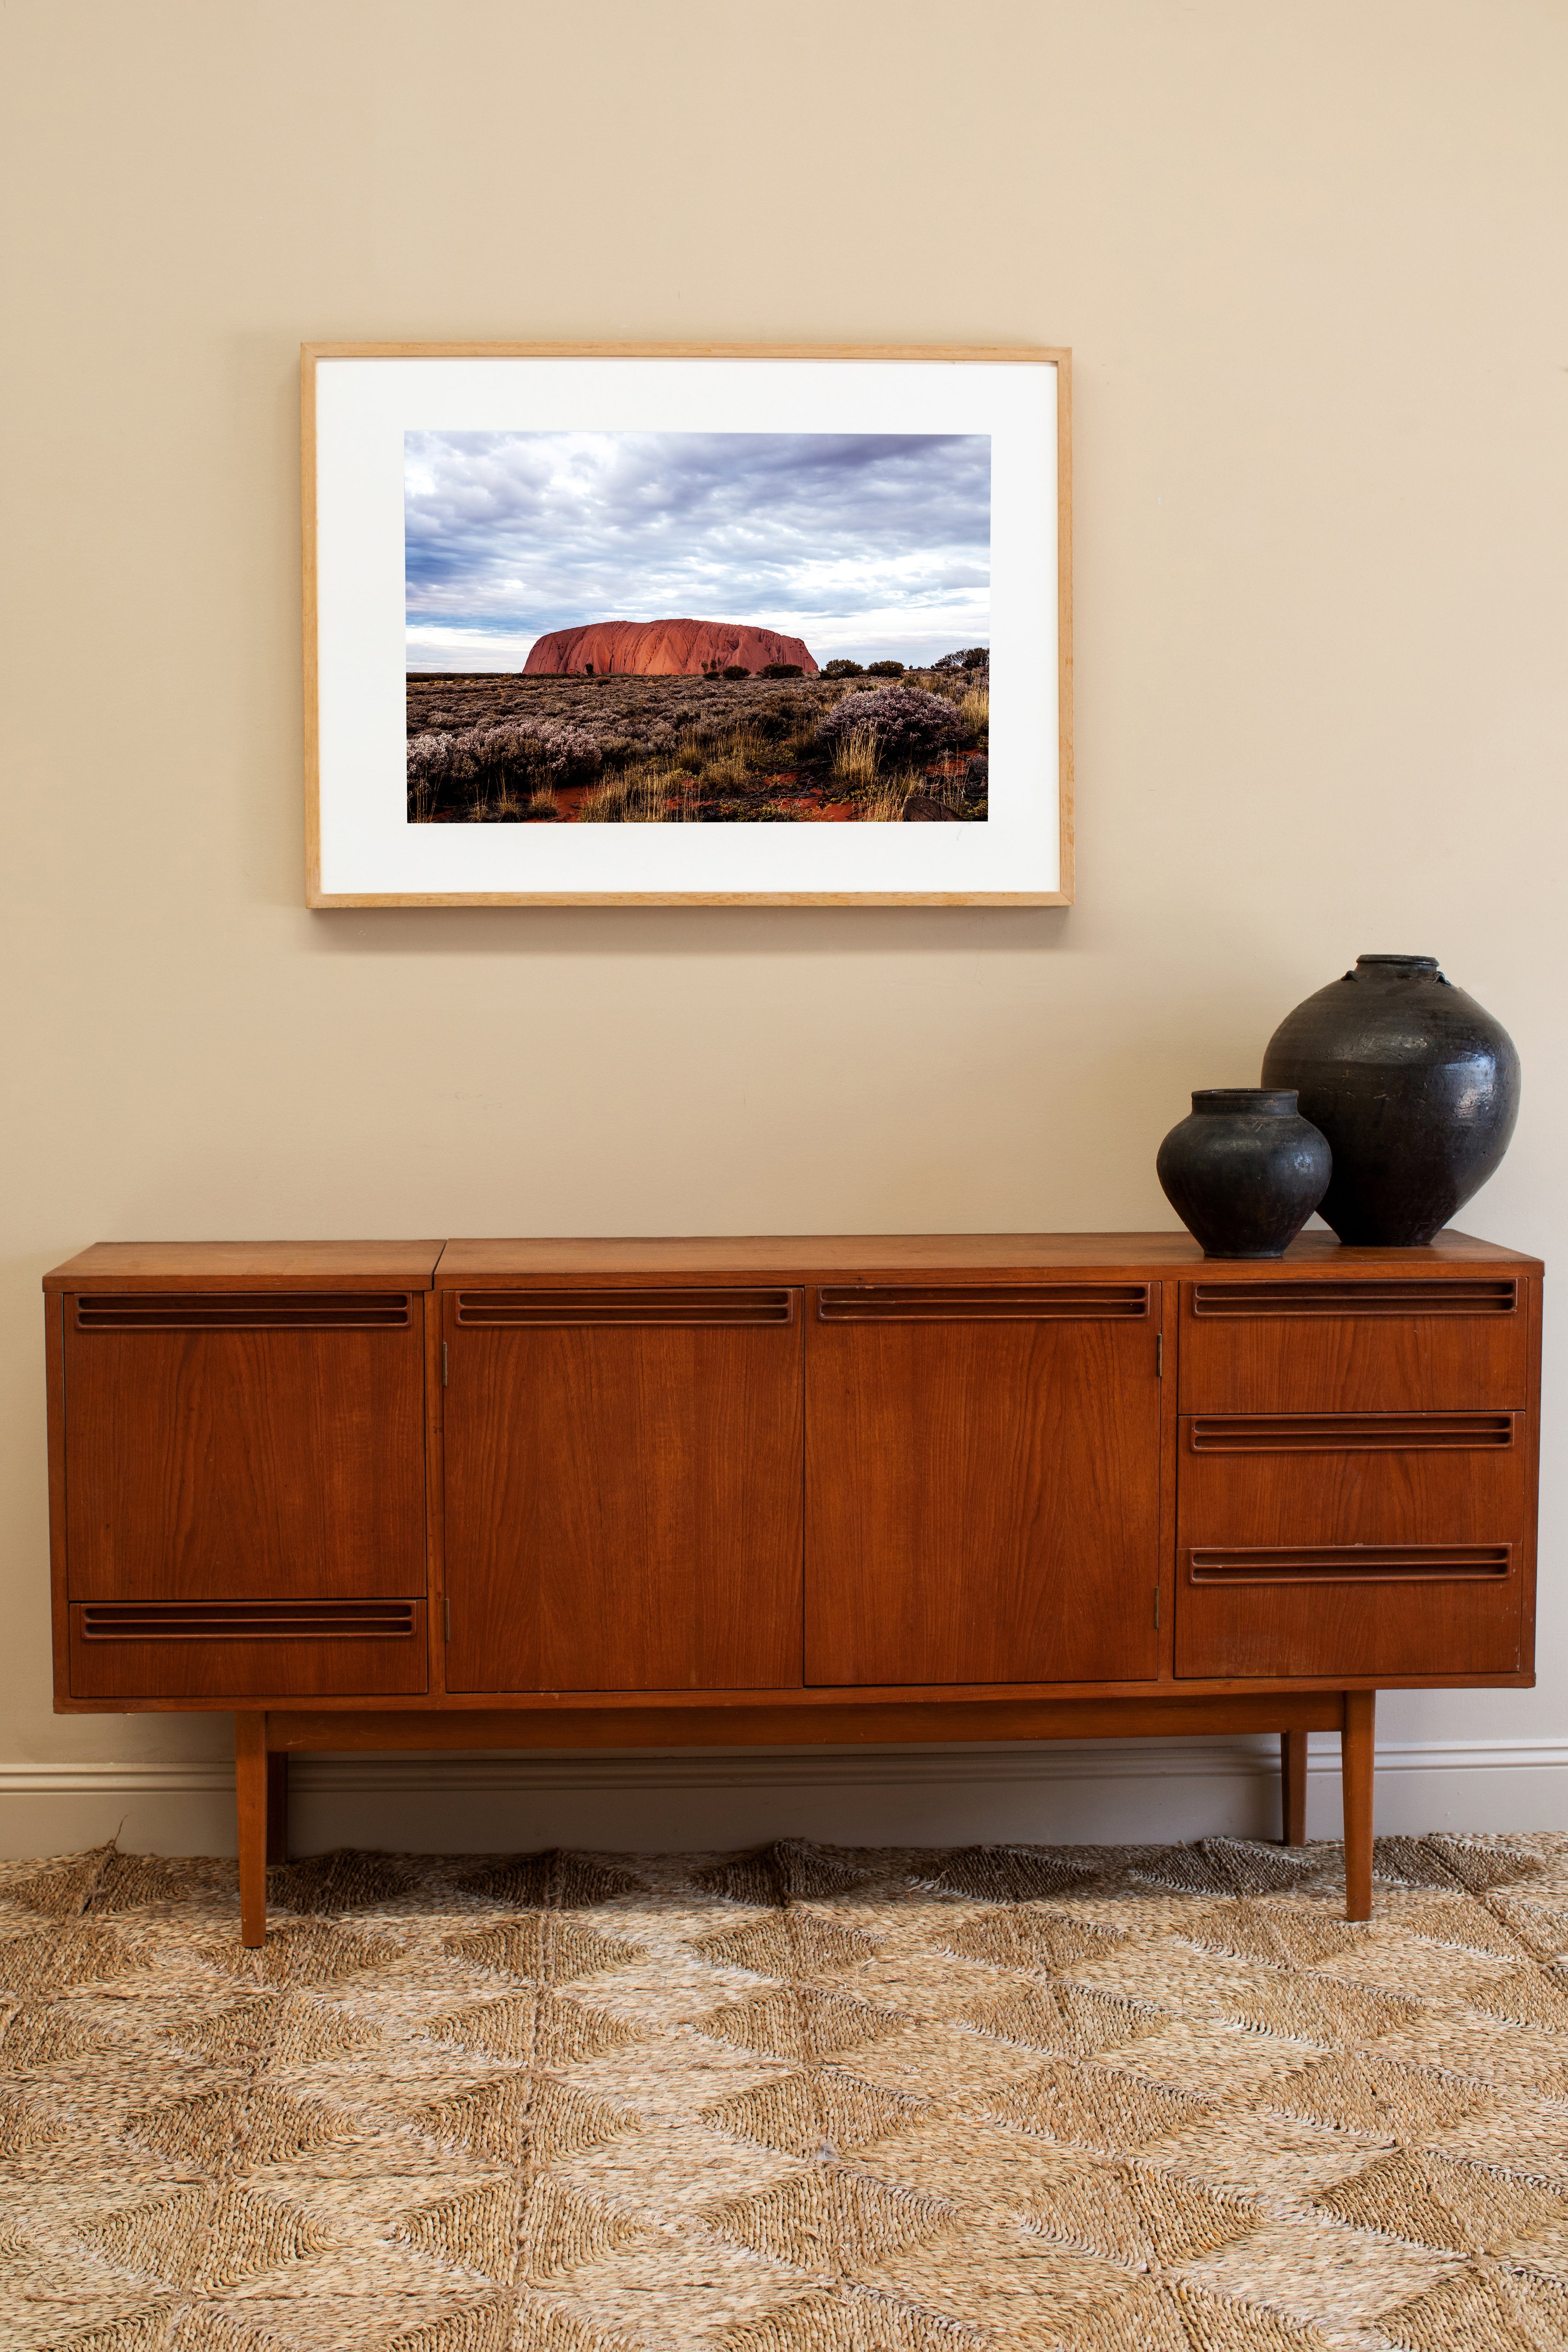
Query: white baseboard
column 652, row 1800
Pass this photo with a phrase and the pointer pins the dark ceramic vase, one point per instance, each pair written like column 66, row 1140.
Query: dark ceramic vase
column 1416, row 1086
column 1246, row 1172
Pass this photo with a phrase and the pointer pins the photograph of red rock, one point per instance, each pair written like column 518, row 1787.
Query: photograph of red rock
column 663, row 628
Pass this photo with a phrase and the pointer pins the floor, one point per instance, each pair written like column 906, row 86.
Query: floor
column 1156, row 2099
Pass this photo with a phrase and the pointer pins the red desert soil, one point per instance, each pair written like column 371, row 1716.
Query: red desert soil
column 662, row 649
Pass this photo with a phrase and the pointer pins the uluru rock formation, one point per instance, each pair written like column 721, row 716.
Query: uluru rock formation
column 661, row 649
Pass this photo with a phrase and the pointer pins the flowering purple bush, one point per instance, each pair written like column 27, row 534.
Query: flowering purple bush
column 904, row 721
column 437, row 759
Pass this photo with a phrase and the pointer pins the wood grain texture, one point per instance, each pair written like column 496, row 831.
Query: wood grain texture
column 235, row 1463
column 1529, row 1548
column 310, row 620
column 472, row 1264
column 1362, row 1623
column 1354, row 1363
column 1293, row 1787
column 59, row 1490
column 1404, row 1493
column 981, row 1501
column 1357, row 1756
column 250, row 1805
column 806, row 1706
column 993, row 354
column 435, row 1492
column 748, row 1722
column 954, row 354
column 1169, row 1366
column 249, row 1266
column 1225, row 1637
column 223, row 1673
column 623, row 1507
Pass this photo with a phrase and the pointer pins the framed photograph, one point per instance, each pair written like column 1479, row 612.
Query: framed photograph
column 718, row 625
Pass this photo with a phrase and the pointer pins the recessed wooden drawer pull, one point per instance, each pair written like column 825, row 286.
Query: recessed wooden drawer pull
column 1391, row 1298
column 554, row 1309
column 1350, row 1564
column 1349, row 1432
column 248, row 1620
column 253, row 1310
column 1023, row 1302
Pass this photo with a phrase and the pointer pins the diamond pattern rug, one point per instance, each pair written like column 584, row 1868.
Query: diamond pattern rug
column 1158, row 2099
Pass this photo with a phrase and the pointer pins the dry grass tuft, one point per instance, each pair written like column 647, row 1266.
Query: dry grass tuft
column 884, row 804
column 856, row 758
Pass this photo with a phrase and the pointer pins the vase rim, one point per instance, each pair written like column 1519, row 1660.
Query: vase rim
column 1409, row 962
column 1279, row 1101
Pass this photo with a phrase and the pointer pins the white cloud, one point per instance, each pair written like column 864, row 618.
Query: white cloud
column 861, row 545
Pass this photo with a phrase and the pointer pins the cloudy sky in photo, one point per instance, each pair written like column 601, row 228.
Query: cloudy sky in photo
column 865, row 544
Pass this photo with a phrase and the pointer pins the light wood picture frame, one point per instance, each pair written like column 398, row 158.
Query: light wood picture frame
column 469, row 508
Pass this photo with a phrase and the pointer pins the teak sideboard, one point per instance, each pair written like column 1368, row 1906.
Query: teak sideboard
column 551, row 1494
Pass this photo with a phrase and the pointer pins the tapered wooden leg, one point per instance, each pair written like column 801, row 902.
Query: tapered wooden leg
column 1293, row 1786
column 251, row 1796
column 278, row 1805
column 1356, row 1745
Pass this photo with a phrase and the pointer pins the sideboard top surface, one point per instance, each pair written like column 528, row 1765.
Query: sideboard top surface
column 786, row 1258
column 249, row 1266
column 805, row 1257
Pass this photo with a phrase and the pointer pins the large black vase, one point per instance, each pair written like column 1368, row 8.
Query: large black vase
column 1246, row 1172
column 1416, row 1086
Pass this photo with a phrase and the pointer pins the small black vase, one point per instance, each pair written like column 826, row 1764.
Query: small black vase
column 1416, row 1086
column 1246, row 1172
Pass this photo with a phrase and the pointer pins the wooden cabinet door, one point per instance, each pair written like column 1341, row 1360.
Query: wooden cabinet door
column 236, row 1446
column 623, row 1481
column 982, row 1483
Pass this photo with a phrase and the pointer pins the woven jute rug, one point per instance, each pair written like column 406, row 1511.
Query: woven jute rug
column 1158, row 2099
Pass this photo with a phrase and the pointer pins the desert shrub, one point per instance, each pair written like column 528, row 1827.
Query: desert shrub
column 737, row 670
column 971, row 658
column 884, row 669
column 780, row 669
column 780, row 715
column 437, row 762
column 841, row 669
column 904, row 721
column 439, row 758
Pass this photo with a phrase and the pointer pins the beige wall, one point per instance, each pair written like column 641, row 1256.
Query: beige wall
column 1309, row 261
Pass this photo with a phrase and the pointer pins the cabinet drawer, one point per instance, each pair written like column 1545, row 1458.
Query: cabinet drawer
column 1353, row 1478
column 1404, row 1344
column 218, row 1652
column 1391, row 1609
